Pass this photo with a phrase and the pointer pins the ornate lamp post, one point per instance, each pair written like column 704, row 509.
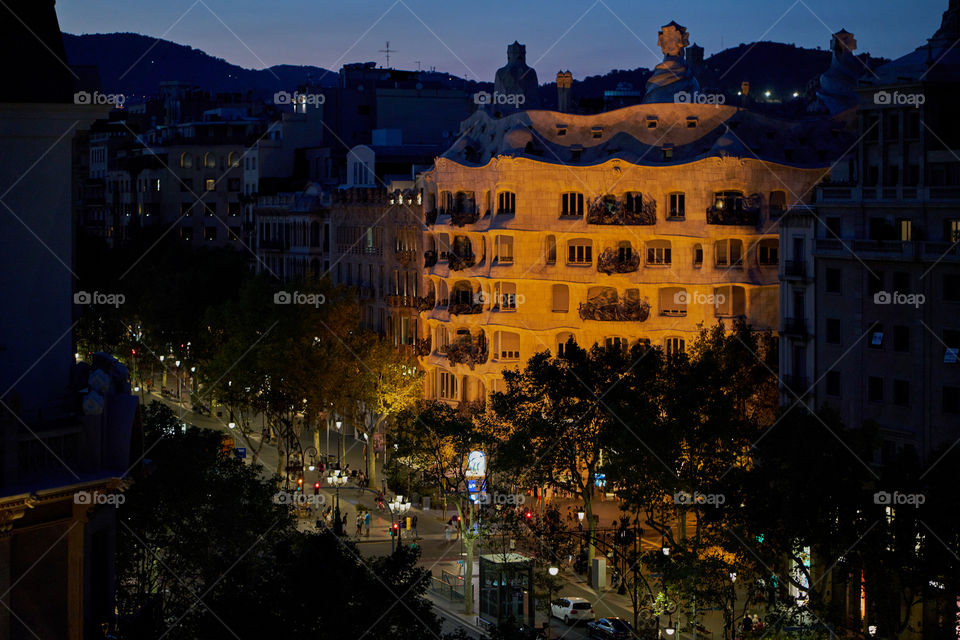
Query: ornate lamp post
column 553, row 571
column 337, row 479
column 398, row 508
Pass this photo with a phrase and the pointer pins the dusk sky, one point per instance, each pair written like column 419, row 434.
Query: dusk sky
column 469, row 39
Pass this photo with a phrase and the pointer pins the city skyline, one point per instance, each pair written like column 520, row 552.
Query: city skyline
column 588, row 39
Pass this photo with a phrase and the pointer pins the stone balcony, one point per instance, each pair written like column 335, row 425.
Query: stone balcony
column 610, row 262
column 606, row 309
column 469, row 351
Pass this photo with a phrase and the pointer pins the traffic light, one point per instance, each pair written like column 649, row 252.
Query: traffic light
column 395, row 530
column 316, row 488
column 528, row 514
column 299, row 484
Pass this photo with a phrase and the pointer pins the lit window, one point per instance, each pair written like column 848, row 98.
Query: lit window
column 210, row 184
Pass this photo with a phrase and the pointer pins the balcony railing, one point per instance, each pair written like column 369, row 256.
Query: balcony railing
column 610, row 261
column 608, row 210
column 465, row 308
column 423, row 346
column 795, row 269
column 405, row 256
column 795, row 327
column 426, row 303
column 737, row 216
column 401, row 301
column 468, row 351
column 459, row 263
column 429, row 259
column 796, row 383
column 607, row 309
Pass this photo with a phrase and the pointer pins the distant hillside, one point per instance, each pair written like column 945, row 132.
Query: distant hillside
column 115, row 53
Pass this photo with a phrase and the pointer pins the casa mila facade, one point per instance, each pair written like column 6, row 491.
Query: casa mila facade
column 642, row 223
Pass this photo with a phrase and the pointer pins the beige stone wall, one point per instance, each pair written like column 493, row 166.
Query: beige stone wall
column 539, row 187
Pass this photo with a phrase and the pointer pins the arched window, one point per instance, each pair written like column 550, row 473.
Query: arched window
column 673, row 346
column 563, row 342
column 210, row 160
column 186, row 161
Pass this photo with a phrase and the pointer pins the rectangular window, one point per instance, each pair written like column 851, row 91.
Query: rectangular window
column 658, row 255
column 210, row 184
column 834, row 280
column 572, row 204
column 505, row 249
column 509, row 346
column 951, row 399
column 677, row 205
column 901, row 393
column 768, row 253
column 210, row 233
column 580, row 253
column 448, row 386
column 507, row 202
column 507, row 296
column 901, row 281
column 561, row 298
column 833, row 383
column 185, row 208
column 951, row 287
column 876, row 336
column 901, row 338
column 550, row 250
column 875, row 389
column 834, row 331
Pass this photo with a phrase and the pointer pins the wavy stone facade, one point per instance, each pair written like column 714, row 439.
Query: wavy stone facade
column 640, row 223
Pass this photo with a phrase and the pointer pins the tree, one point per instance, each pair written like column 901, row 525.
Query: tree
column 553, row 424
column 380, row 381
column 205, row 552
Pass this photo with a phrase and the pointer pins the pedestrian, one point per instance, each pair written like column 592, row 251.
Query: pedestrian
column 413, row 525
column 359, row 524
column 366, row 524
column 343, row 523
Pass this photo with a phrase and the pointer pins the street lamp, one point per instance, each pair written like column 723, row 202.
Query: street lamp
column 337, row 479
column 553, row 571
column 339, row 424
column 872, row 630
column 398, row 508
column 670, row 629
column 311, row 454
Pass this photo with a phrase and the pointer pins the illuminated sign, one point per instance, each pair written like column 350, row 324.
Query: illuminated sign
column 476, row 464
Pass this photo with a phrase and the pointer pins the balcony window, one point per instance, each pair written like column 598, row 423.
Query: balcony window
column 448, row 386
column 580, row 252
column 673, row 301
column 728, row 253
column 633, row 202
column 507, row 202
column 673, row 346
column 504, row 249
column 768, row 253
column 571, row 204
column 506, row 296
column 729, row 301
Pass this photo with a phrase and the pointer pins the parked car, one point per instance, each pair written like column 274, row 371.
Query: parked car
column 572, row 610
column 615, row 628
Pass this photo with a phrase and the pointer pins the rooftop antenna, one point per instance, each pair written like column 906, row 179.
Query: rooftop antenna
column 388, row 51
